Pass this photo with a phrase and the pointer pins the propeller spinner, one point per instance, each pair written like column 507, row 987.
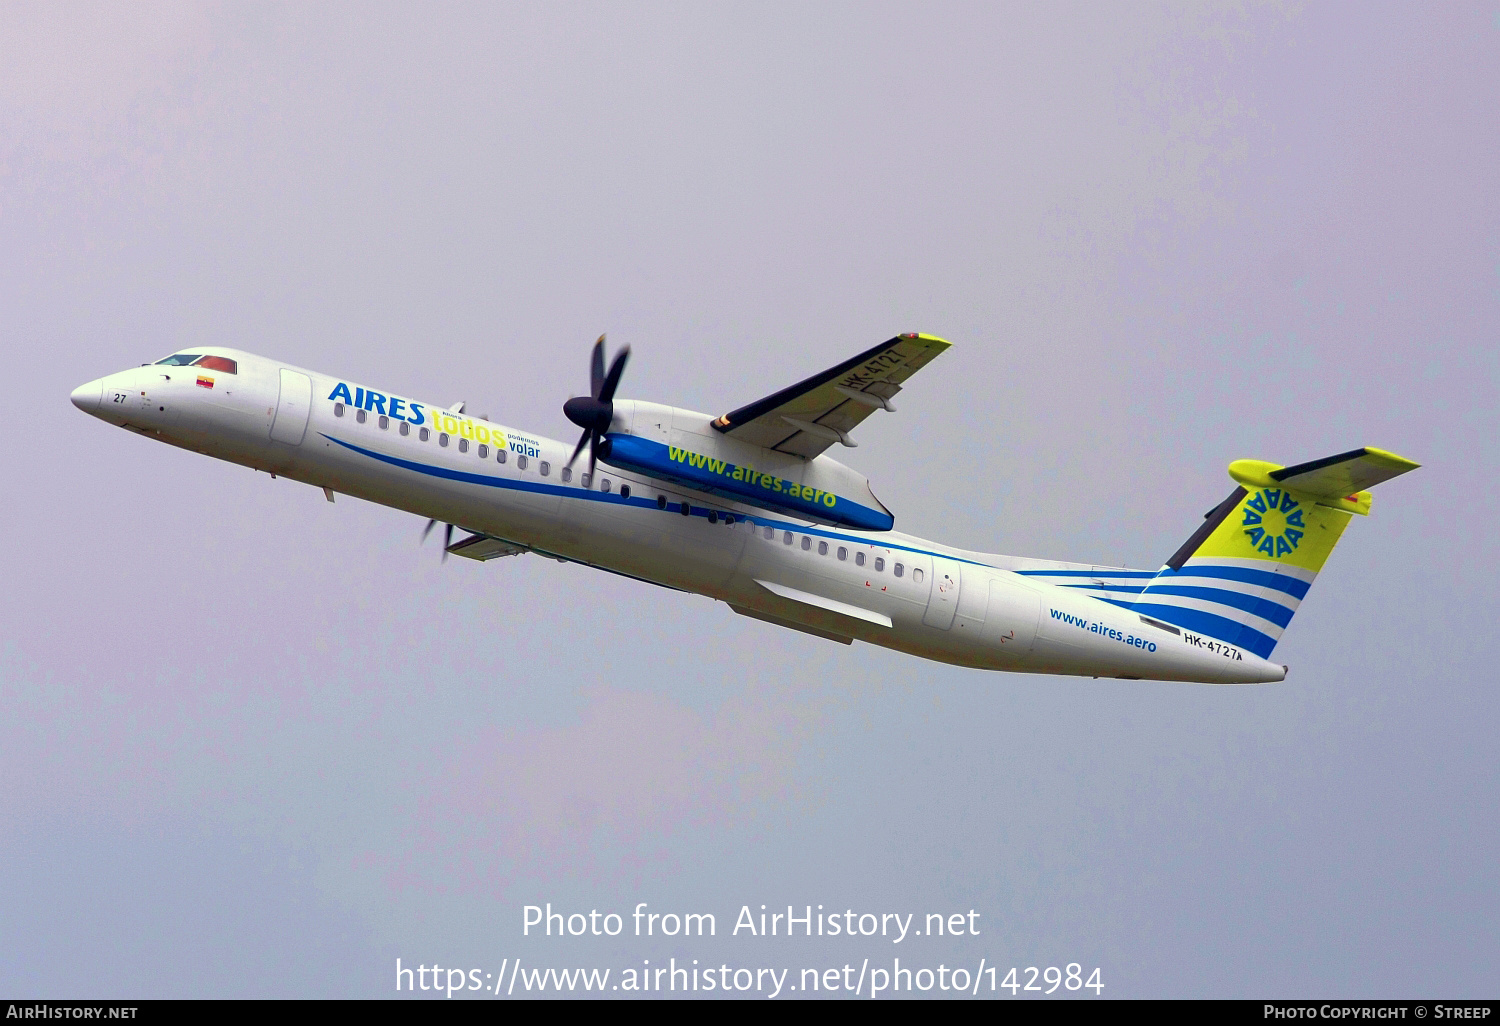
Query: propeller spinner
column 595, row 411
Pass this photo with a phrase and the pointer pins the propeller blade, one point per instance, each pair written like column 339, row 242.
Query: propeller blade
column 593, row 453
column 447, row 540
column 612, row 379
column 596, row 368
column 584, row 440
column 427, row 530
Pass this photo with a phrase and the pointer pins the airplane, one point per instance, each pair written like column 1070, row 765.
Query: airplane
column 749, row 509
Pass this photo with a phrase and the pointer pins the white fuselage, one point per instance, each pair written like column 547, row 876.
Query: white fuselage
column 947, row 604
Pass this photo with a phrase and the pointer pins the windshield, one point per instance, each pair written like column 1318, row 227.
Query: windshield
column 218, row 363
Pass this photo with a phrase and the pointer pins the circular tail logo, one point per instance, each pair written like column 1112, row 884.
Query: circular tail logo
column 1273, row 520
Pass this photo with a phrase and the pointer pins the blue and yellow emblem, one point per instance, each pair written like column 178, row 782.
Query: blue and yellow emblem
column 1273, row 522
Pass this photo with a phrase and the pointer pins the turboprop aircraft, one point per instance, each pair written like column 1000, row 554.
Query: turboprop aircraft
column 749, row 509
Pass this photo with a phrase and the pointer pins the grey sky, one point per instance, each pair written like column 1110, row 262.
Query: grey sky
column 251, row 743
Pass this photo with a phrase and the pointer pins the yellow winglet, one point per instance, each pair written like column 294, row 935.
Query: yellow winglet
column 929, row 338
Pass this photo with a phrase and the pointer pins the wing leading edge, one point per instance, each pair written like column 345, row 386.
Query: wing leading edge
column 806, row 418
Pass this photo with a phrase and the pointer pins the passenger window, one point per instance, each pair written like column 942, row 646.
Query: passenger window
column 567, row 474
column 786, row 538
column 822, row 548
column 843, row 552
column 359, row 415
column 544, row 468
column 661, row 502
column 769, row 532
column 624, row 491
column 484, row 451
column 806, row 543
column 859, row 559
column 586, row 479
column 603, row 482
column 463, row 445
column 499, row 455
column 898, row 569
column 879, row 564
column 685, row 508
column 916, row 574
column 713, row 514
column 338, row 409
column 520, row 462
column 384, row 422
column 423, row 435
column 405, row 429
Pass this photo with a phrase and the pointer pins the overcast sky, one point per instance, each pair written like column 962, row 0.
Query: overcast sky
column 255, row 744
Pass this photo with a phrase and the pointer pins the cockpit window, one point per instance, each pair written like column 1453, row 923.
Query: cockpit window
column 179, row 360
column 218, row 363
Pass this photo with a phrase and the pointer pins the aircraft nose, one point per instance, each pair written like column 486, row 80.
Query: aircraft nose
column 89, row 397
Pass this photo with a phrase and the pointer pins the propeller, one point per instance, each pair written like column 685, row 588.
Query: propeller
column 447, row 536
column 595, row 411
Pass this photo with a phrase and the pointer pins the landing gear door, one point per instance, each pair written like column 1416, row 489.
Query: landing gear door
column 942, row 598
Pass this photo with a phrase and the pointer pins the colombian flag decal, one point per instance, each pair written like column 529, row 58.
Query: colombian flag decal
column 205, row 382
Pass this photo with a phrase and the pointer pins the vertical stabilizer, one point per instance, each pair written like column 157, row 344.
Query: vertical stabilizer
column 1241, row 576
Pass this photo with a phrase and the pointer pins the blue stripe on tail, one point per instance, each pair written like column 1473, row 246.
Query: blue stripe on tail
column 1275, row 612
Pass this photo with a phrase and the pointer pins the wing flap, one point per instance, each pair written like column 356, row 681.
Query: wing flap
column 484, row 547
column 806, row 418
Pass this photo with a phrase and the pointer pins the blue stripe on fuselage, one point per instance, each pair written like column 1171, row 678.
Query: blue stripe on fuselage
column 1279, row 582
column 589, row 495
column 1218, row 627
column 1096, row 575
column 1277, row 613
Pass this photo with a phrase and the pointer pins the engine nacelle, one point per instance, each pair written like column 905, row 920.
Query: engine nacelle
column 682, row 446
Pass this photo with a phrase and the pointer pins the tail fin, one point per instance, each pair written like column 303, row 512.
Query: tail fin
column 1243, row 573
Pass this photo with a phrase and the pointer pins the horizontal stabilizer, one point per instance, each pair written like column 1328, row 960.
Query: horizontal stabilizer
column 1344, row 474
column 1343, row 481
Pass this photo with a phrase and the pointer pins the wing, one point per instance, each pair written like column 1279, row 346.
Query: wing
column 811, row 415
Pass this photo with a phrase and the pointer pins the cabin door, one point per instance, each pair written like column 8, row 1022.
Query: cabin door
column 292, row 408
column 942, row 598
